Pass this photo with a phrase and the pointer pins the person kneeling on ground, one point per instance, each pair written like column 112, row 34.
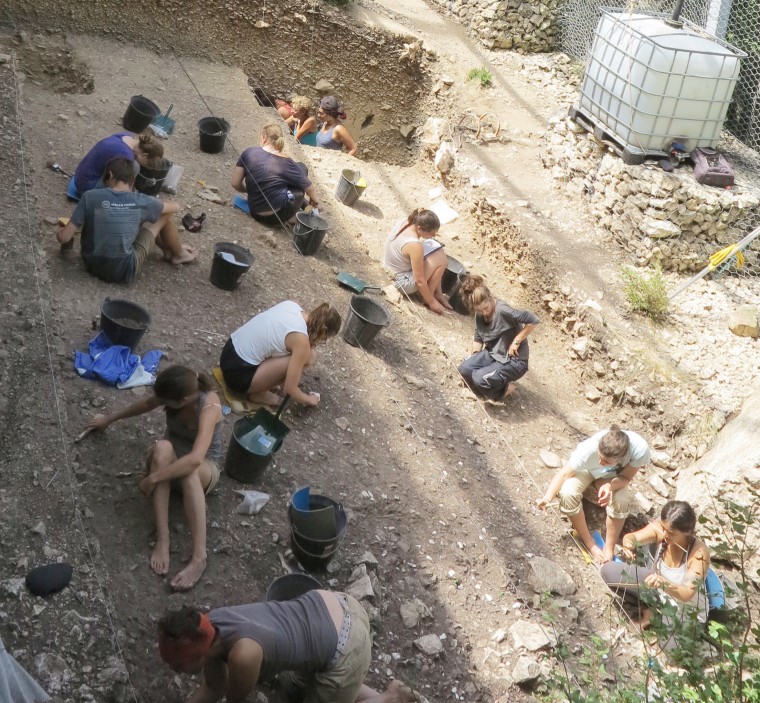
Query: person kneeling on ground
column 120, row 226
column 275, row 184
column 500, row 347
column 272, row 350
column 187, row 457
column 676, row 569
column 319, row 642
column 416, row 260
column 607, row 460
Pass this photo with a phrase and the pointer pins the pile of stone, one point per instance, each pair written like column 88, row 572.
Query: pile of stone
column 508, row 24
column 660, row 217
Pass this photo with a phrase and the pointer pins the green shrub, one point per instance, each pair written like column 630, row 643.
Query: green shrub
column 646, row 292
column 482, row 75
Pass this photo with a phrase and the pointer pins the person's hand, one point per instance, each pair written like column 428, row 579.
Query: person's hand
column 99, row 422
column 629, row 550
column 513, row 349
column 543, row 502
column 604, row 495
column 68, row 246
column 312, row 399
column 146, row 486
column 437, row 308
column 655, row 581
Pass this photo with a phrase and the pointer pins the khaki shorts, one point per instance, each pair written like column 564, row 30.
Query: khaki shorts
column 142, row 246
column 213, row 469
column 583, row 484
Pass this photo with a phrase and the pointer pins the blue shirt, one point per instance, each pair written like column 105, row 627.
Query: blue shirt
column 91, row 167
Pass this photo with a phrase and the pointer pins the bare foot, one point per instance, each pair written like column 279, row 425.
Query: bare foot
column 188, row 577
column 188, row 255
column 609, row 552
column 443, row 300
column 159, row 558
column 599, row 556
column 511, row 388
column 397, row 693
column 268, row 398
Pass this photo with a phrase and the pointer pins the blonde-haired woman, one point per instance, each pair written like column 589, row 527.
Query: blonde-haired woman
column 272, row 350
column 303, row 123
column 274, row 183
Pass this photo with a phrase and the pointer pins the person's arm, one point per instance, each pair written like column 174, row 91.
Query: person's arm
column 65, row 235
column 520, row 338
column 214, row 683
column 652, row 532
column 169, row 207
column 306, row 127
column 623, row 478
column 476, row 347
column 699, row 562
column 139, row 407
column 211, row 414
column 342, row 135
column 417, row 259
column 560, row 477
column 311, row 191
column 238, row 179
column 243, row 669
column 297, row 344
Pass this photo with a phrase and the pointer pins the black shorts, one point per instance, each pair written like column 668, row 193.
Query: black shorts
column 238, row 373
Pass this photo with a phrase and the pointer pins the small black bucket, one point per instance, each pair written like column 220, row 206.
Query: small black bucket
column 246, row 457
column 451, row 282
column 124, row 322
column 140, row 113
column 308, row 232
column 314, row 560
column 365, row 319
column 291, row 586
column 150, row 180
column 213, row 133
column 229, row 264
column 317, row 533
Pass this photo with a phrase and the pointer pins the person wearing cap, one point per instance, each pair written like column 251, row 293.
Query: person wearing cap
column 319, row 644
column 333, row 134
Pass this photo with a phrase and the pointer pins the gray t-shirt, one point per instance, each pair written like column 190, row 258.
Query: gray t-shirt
column 585, row 457
column 498, row 334
column 296, row 635
column 110, row 222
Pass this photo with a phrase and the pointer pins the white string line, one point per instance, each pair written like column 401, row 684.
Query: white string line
column 54, row 383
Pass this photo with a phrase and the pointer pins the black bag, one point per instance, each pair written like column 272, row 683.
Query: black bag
column 712, row 168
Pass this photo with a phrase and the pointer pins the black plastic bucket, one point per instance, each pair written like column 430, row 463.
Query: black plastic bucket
column 349, row 190
column 291, row 586
column 308, row 232
column 226, row 274
column 124, row 322
column 365, row 319
column 243, row 464
column 451, row 282
column 140, row 113
column 324, row 522
column 213, row 133
column 149, row 181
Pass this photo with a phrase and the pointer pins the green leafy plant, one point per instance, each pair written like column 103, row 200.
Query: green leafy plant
column 645, row 292
column 482, row 75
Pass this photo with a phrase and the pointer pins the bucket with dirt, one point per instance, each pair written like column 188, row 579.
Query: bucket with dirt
column 213, row 133
column 149, row 181
column 291, row 586
column 309, row 232
column 364, row 321
column 451, row 282
column 350, row 186
column 124, row 322
column 230, row 263
column 140, row 113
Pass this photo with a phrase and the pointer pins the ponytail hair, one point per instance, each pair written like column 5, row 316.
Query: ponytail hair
column 273, row 135
column 615, row 444
column 152, row 148
column 324, row 322
column 426, row 220
column 474, row 291
column 178, row 382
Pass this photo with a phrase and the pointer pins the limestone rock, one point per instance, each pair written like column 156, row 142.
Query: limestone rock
column 53, row 671
column 392, row 293
column 743, row 321
column 429, row 645
column 324, row 86
column 661, row 458
column 5, row 58
column 342, row 422
column 549, row 577
column 582, row 423
column 369, row 560
column 659, row 485
column 434, row 131
column 526, row 671
column 581, row 347
column 361, row 588
column 413, row 611
column 531, row 636
column 416, row 382
column 445, row 157
column 550, row 459
column 645, row 504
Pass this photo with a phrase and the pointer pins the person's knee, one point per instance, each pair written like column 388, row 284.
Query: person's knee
column 619, row 505
column 161, row 454
column 570, row 497
column 191, row 480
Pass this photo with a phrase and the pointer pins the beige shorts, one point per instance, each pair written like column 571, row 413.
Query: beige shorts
column 213, row 470
column 143, row 245
column 582, row 485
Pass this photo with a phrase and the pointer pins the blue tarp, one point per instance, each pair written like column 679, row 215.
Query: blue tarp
column 114, row 364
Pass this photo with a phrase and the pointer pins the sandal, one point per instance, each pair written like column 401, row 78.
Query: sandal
column 193, row 224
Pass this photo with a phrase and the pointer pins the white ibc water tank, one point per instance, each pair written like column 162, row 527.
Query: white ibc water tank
column 648, row 84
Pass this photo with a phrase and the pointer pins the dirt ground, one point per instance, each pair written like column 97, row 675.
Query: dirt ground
column 439, row 488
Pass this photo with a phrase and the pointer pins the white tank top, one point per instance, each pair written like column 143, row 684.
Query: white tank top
column 264, row 336
column 678, row 575
column 394, row 259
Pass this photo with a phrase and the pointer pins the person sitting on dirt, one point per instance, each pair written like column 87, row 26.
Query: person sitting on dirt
column 676, row 567
column 500, row 347
column 318, row 646
column 272, row 350
column 120, row 226
column 141, row 150
column 416, row 259
column 333, row 134
column 274, row 183
column 608, row 461
column 302, row 123
column 187, row 458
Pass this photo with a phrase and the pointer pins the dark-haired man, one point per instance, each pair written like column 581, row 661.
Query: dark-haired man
column 119, row 227
column 321, row 639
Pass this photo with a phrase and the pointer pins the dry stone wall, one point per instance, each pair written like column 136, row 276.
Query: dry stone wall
column 665, row 218
column 518, row 25
column 282, row 47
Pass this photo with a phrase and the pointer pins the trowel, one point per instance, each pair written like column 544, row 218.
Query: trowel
column 57, row 168
column 355, row 284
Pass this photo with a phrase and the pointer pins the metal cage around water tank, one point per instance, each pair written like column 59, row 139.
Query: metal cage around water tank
column 650, row 83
